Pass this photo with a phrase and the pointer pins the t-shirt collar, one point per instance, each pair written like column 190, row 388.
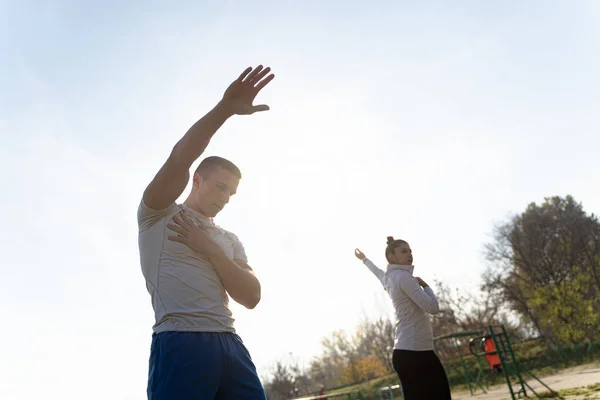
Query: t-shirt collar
column 201, row 217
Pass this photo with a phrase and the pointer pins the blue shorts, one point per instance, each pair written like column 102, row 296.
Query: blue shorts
column 201, row 366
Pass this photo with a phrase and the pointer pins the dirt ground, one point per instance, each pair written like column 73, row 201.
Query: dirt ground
column 570, row 378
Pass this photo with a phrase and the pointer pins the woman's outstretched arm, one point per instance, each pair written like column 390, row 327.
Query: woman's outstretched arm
column 372, row 267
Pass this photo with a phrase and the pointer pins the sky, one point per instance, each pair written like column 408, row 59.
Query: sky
column 428, row 121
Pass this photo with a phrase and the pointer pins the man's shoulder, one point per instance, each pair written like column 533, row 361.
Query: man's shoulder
column 148, row 217
column 238, row 247
column 144, row 208
column 228, row 233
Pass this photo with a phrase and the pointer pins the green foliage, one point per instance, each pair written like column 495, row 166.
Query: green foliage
column 546, row 266
column 570, row 308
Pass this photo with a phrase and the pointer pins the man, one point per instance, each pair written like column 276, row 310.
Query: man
column 192, row 266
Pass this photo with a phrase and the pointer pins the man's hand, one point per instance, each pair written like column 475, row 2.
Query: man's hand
column 238, row 279
column 192, row 236
column 240, row 95
column 421, row 282
column 359, row 254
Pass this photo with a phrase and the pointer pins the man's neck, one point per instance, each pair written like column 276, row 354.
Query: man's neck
column 190, row 204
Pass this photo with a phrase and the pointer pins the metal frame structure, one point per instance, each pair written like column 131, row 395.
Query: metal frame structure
column 474, row 380
column 511, row 371
column 510, row 366
column 387, row 392
column 349, row 394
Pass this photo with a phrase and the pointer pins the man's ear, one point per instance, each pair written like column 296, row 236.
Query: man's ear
column 196, row 179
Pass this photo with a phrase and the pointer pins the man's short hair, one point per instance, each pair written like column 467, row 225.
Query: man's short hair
column 210, row 163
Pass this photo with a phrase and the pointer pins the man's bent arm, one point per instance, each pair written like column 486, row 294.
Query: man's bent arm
column 173, row 177
column 237, row 278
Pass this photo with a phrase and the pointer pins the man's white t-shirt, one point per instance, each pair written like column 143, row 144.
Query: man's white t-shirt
column 186, row 292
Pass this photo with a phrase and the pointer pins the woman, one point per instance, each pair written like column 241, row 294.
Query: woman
column 418, row 367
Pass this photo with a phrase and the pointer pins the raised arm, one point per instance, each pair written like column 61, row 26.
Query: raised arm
column 372, row 267
column 172, row 178
column 424, row 298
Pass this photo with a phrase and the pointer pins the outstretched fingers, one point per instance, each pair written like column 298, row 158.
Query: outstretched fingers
column 244, row 74
column 264, row 82
column 241, row 93
column 252, row 75
column 256, row 78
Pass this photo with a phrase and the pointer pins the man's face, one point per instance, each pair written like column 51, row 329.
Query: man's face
column 213, row 189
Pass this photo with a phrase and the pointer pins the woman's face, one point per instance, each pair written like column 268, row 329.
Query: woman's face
column 403, row 254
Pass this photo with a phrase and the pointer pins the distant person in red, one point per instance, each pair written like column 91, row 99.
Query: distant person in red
column 322, row 392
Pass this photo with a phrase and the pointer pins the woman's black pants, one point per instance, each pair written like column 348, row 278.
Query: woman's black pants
column 421, row 374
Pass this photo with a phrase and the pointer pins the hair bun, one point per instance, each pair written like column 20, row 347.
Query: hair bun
column 390, row 239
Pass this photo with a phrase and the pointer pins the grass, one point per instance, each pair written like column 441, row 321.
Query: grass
column 589, row 390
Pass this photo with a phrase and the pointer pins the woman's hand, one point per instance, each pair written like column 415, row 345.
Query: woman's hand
column 192, row 236
column 359, row 254
column 421, row 282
